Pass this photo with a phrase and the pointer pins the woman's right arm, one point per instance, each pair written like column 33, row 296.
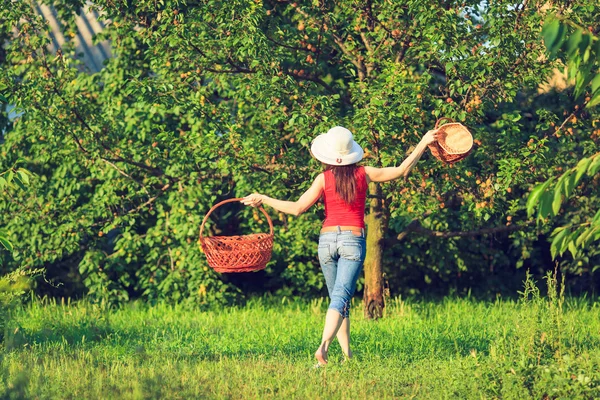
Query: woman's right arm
column 305, row 201
column 391, row 173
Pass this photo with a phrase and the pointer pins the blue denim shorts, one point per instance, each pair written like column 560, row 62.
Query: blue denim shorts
column 341, row 255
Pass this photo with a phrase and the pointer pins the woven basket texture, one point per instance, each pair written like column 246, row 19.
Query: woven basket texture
column 238, row 253
column 454, row 144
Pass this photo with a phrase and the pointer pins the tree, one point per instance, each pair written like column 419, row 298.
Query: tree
column 207, row 100
column 579, row 49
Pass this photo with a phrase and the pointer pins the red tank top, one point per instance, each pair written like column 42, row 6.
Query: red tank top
column 337, row 212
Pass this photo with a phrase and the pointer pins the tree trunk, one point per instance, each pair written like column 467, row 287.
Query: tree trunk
column 376, row 228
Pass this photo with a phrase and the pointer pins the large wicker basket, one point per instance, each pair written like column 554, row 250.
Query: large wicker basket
column 454, row 144
column 243, row 253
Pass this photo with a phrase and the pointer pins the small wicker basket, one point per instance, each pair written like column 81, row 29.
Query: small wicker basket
column 454, row 144
column 242, row 253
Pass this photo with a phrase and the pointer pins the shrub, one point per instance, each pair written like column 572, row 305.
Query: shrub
column 13, row 286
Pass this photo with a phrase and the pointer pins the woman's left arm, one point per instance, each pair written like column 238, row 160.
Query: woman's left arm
column 391, row 173
column 305, row 201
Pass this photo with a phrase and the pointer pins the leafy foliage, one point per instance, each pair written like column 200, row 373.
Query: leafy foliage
column 548, row 198
column 219, row 99
column 10, row 180
column 581, row 52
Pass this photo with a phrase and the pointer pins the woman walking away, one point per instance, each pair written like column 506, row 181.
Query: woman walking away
column 342, row 247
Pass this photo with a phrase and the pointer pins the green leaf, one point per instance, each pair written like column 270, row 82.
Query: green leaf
column 570, row 184
column 573, row 42
column 581, row 239
column 594, row 101
column 595, row 83
column 533, row 198
column 557, row 201
column 535, row 194
column 596, row 219
column 584, row 43
column 3, row 99
column 564, row 244
column 19, row 183
column 7, row 245
column 545, row 204
column 594, row 166
column 23, row 176
column 558, row 190
column 581, row 168
column 572, row 249
column 550, row 32
column 560, row 36
column 584, row 76
column 557, row 242
column 589, row 235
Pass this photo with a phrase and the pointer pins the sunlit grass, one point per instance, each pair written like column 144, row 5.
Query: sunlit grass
column 457, row 348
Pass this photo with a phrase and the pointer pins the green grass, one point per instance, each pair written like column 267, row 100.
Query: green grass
column 457, row 348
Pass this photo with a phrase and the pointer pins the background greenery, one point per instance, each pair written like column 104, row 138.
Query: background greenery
column 211, row 100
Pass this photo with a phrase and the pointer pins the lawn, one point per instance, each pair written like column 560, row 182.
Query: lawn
column 535, row 347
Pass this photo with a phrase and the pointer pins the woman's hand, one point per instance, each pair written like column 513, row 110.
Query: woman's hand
column 430, row 137
column 253, row 200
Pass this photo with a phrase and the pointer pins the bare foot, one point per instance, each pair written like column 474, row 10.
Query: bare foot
column 321, row 355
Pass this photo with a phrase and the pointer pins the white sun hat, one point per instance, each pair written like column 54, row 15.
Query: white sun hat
column 336, row 147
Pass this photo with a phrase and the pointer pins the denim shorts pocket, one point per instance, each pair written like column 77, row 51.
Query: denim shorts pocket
column 351, row 251
column 324, row 252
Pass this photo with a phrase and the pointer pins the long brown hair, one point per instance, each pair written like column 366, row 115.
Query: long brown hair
column 345, row 181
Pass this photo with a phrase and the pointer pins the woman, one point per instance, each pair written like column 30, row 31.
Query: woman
column 342, row 245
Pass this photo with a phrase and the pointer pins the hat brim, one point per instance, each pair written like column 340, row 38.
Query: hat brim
column 322, row 152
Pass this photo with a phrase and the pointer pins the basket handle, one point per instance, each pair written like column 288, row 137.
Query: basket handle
column 443, row 119
column 231, row 201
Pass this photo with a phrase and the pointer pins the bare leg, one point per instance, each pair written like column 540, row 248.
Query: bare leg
column 343, row 337
column 333, row 321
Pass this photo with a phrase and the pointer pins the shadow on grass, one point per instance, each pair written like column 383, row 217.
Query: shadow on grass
column 58, row 333
column 411, row 349
column 144, row 342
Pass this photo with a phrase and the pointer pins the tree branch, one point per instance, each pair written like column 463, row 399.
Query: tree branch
column 353, row 59
column 311, row 78
column 370, row 18
column 519, row 13
column 236, row 68
column 366, row 42
column 402, row 52
column 124, row 174
column 150, row 200
column 287, row 46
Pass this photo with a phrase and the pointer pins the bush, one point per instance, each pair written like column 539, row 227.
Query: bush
column 12, row 288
